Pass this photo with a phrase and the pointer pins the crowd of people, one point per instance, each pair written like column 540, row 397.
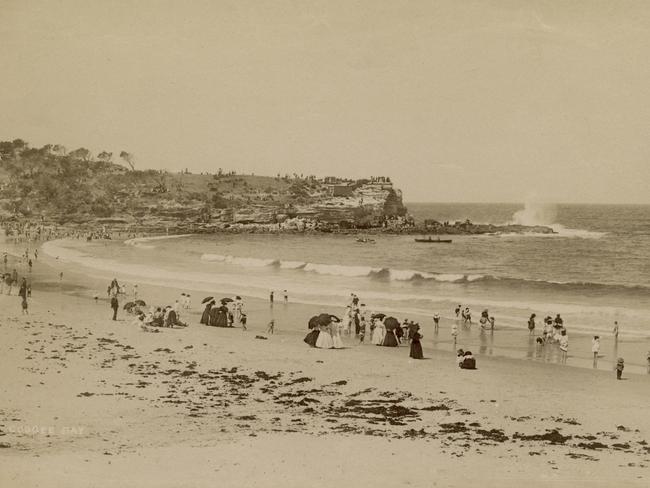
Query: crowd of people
column 229, row 313
column 326, row 330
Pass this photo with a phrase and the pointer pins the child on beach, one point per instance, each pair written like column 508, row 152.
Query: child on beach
column 24, row 305
column 531, row 324
column 460, row 355
column 454, row 332
column 620, row 366
column 564, row 346
column 271, row 327
column 436, row 321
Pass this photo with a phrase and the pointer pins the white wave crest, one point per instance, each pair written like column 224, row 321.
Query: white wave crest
column 338, row 270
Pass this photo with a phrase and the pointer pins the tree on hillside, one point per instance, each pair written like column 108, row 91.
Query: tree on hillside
column 81, row 153
column 129, row 159
column 59, row 150
column 105, row 156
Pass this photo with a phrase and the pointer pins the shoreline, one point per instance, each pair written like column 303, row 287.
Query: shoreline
column 506, row 341
column 118, row 405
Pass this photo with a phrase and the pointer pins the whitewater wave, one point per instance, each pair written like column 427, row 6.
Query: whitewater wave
column 537, row 213
column 140, row 242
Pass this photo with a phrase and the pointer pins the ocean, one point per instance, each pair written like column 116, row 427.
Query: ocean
column 595, row 270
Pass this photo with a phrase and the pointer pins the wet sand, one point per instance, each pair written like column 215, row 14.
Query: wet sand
column 91, row 402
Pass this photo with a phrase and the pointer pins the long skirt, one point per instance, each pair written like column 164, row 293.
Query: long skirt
column 324, row 340
column 205, row 318
column 312, row 337
column 390, row 340
column 337, row 343
column 416, row 350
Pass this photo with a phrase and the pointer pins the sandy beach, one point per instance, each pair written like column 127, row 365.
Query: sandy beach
column 92, row 402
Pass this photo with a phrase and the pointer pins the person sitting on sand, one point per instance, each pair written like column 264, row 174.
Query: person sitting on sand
column 468, row 361
column 459, row 356
column 158, row 318
column 171, row 318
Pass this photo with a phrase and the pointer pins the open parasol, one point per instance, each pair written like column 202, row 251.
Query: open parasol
column 324, row 319
column 207, row 299
column 379, row 316
column 391, row 323
column 128, row 305
column 227, row 300
column 140, row 303
column 334, row 318
column 314, row 322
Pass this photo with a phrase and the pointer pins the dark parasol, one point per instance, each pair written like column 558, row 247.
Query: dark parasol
column 207, row 299
column 391, row 323
column 379, row 316
column 314, row 322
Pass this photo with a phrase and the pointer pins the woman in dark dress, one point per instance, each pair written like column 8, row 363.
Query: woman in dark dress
column 205, row 318
column 312, row 336
column 416, row 347
column 221, row 318
column 212, row 318
column 389, row 339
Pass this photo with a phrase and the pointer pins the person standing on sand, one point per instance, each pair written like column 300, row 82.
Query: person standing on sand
column 647, row 360
column 286, row 297
column 271, row 297
column 454, row 332
column 564, row 346
column 615, row 331
column 620, row 366
column 595, row 348
column 531, row 325
column 436, row 321
column 114, row 305
column 135, row 291
column 416, row 345
column 457, row 310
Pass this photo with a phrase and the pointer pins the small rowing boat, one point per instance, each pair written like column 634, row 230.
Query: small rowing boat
column 434, row 241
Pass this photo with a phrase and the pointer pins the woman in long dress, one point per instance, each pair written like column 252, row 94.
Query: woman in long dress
column 416, row 347
column 205, row 318
column 390, row 340
column 324, row 340
column 312, row 336
column 220, row 319
column 337, row 343
column 378, row 333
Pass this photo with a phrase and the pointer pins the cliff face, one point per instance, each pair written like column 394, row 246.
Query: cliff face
column 50, row 184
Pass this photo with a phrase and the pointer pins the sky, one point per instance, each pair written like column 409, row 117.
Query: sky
column 488, row 101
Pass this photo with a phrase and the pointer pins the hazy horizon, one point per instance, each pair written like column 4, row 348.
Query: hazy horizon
column 472, row 102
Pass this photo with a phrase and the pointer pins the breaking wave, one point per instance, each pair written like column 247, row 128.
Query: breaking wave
column 409, row 275
column 545, row 214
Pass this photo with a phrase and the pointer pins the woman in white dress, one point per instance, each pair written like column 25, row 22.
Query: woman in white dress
column 337, row 343
column 324, row 340
column 346, row 324
column 379, row 333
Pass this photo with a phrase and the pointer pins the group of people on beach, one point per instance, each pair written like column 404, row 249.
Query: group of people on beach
column 229, row 313
column 326, row 330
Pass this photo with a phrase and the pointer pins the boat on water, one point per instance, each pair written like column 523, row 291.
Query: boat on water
column 434, row 241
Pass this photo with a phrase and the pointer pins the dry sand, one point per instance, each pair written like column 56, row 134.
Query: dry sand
column 88, row 402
